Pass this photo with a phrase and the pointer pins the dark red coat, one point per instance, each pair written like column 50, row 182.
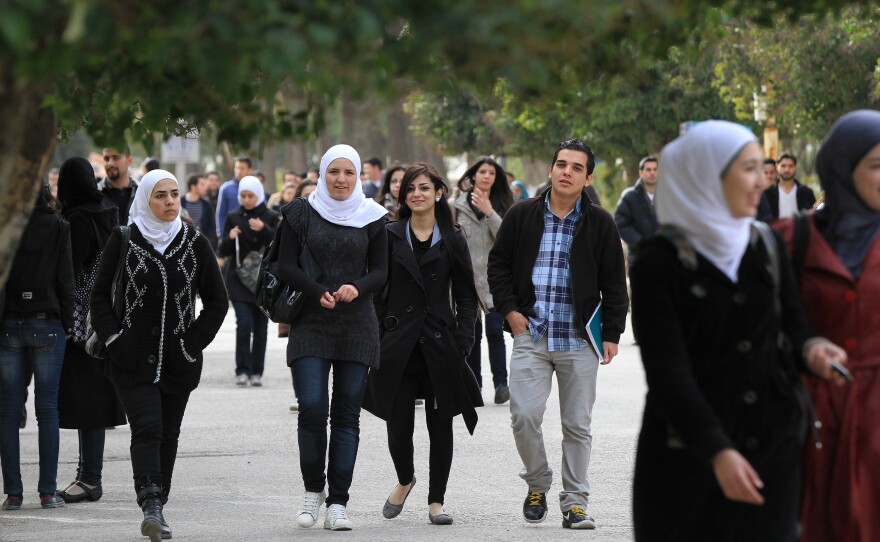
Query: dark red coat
column 418, row 314
column 842, row 479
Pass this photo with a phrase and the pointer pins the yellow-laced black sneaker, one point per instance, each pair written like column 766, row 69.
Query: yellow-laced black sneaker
column 535, row 507
column 577, row 518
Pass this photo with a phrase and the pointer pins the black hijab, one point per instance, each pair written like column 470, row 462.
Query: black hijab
column 850, row 225
column 77, row 186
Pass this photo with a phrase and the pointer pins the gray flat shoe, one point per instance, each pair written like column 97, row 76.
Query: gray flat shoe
column 393, row 510
column 443, row 518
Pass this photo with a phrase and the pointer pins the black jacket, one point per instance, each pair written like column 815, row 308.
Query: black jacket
column 161, row 339
column 635, row 216
column 597, row 265
column 105, row 188
column 417, row 314
column 249, row 240
column 41, row 278
column 716, row 380
column 805, row 198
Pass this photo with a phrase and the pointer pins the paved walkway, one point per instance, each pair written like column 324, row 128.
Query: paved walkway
column 237, row 474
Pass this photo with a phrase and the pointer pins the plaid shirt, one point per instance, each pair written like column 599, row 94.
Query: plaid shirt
column 555, row 314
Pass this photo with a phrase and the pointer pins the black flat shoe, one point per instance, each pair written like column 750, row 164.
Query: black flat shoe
column 88, row 494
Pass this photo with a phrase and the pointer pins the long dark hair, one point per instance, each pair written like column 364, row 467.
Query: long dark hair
column 386, row 183
column 442, row 214
column 45, row 199
column 500, row 195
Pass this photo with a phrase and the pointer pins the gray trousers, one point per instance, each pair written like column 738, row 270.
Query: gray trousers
column 531, row 379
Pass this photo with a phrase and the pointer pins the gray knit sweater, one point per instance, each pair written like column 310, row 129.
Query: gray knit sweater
column 346, row 255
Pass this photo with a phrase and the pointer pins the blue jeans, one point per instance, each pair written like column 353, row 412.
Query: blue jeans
column 249, row 320
column 42, row 341
column 497, row 350
column 310, row 380
column 91, row 456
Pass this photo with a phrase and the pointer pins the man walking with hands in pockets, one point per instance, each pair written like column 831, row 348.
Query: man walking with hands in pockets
column 555, row 258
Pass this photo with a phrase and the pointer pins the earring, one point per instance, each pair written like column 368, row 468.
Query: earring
column 436, row 200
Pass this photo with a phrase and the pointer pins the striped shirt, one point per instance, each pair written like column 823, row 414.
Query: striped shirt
column 551, row 277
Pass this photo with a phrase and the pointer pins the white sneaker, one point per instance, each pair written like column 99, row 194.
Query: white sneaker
column 308, row 514
column 241, row 380
column 256, row 380
column 336, row 518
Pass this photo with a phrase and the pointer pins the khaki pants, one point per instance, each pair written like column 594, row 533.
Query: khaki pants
column 531, row 373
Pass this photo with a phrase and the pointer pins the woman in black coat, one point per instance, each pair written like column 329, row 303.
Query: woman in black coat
column 250, row 228
column 425, row 341
column 723, row 339
column 87, row 401
column 155, row 350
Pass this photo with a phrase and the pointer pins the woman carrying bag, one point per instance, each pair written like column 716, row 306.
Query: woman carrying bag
column 336, row 328
column 247, row 232
column 426, row 337
column 87, row 400
column 155, row 351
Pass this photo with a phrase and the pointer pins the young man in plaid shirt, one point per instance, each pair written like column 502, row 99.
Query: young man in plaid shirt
column 555, row 257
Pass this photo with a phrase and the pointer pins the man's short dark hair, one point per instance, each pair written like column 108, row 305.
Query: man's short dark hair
column 193, row 180
column 579, row 145
column 374, row 161
column 645, row 160
column 787, row 155
column 769, row 161
column 208, row 174
column 151, row 163
column 246, row 160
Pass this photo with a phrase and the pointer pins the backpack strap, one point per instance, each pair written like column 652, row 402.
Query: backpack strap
column 686, row 253
column 799, row 243
column 773, row 264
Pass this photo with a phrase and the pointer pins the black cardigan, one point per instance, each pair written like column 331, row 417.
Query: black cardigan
column 597, row 265
column 161, row 339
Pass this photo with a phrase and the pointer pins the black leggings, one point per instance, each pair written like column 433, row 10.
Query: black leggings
column 400, row 433
column 155, row 418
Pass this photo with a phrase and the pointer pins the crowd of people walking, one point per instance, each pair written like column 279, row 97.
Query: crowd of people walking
column 759, row 343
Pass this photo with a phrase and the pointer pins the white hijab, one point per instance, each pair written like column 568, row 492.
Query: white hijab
column 157, row 232
column 691, row 198
column 252, row 184
column 357, row 210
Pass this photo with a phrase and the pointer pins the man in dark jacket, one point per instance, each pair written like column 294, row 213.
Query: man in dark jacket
column 199, row 208
column 634, row 215
column 787, row 196
column 118, row 188
column 555, row 258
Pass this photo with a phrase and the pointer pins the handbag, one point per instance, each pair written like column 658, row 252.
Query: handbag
column 83, row 284
column 95, row 347
column 248, row 269
column 280, row 302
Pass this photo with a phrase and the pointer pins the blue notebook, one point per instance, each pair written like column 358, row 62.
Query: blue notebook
column 594, row 331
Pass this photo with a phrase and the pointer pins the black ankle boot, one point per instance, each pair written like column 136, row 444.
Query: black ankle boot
column 166, row 530
column 149, row 497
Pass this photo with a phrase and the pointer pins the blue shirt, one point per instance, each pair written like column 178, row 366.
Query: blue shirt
column 551, row 277
column 227, row 201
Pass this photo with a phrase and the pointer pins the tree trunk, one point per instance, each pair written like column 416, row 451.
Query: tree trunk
column 26, row 144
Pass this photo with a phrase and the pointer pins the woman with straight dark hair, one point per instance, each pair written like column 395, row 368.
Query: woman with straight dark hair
column 484, row 200
column 423, row 351
column 36, row 318
column 723, row 339
column 87, row 400
column 336, row 328
column 155, row 349
column 389, row 195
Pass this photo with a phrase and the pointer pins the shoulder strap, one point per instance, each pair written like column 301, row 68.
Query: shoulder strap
column 769, row 242
column 303, row 223
column 799, row 243
column 686, row 253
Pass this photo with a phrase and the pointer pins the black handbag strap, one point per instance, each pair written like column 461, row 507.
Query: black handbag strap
column 303, row 225
column 125, row 232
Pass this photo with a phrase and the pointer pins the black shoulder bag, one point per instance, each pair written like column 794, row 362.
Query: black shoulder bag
column 280, row 302
column 94, row 346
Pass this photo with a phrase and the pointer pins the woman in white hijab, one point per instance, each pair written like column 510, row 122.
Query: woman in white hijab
column 725, row 422
column 337, row 327
column 155, row 348
column 247, row 232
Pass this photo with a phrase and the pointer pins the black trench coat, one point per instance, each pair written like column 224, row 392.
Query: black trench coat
column 417, row 314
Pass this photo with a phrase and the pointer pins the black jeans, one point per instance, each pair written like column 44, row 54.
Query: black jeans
column 497, row 350
column 250, row 357
column 400, row 425
column 155, row 418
